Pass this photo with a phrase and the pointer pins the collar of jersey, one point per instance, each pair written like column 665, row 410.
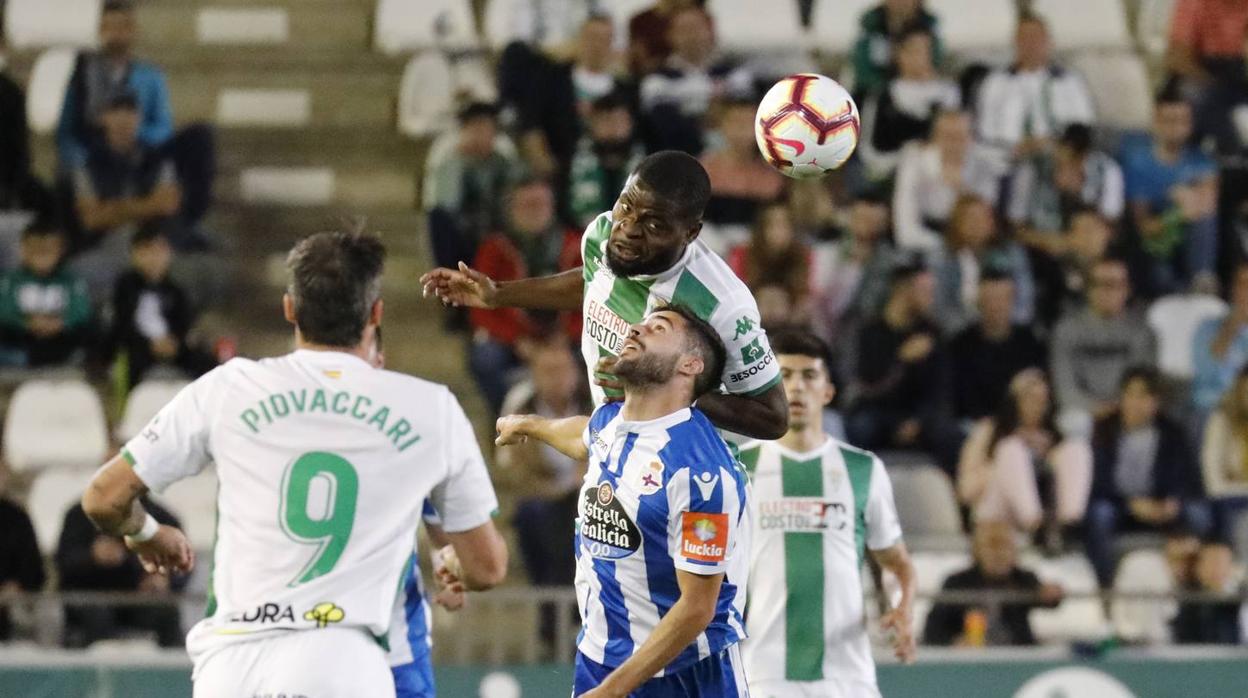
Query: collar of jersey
column 318, row 357
column 804, row 455
column 656, row 424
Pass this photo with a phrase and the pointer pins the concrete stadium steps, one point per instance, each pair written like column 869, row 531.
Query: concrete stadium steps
column 309, row 23
column 273, row 229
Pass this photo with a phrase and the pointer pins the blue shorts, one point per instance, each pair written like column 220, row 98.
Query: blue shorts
column 717, row 676
column 414, row 679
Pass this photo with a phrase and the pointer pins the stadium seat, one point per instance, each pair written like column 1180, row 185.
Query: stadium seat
column 835, row 23
column 930, row 570
column 51, row 495
column 1120, row 86
column 288, row 186
column 974, row 25
column 1080, row 24
column 1074, row 619
column 741, row 27
column 45, row 95
column 1143, row 621
column 925, row 503
column 1152, row 25
column 1175, row 319
column 410, row 25
column 144, row 402
column 42, row 23
column 55, row 424
column 194, row 502
column 426, row 95
column 242, row 25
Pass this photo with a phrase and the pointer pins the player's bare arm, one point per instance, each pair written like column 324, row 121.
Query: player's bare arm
column 469, row 288
column 112, row 503
column 564, row 435
column 475, row 559
column 763, row 416
column 900, row 620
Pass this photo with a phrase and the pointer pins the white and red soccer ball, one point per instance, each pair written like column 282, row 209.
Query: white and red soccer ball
column 807, row 125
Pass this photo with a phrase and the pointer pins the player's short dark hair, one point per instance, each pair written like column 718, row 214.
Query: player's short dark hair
column 799, row 341
column 1148, row 375
column 335, row 280
column 678, row 178
column 703, row 339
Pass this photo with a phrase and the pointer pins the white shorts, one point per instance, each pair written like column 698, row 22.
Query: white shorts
column 326, row 663
column 828, row 688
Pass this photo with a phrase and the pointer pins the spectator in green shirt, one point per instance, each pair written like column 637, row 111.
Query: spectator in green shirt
column 45, row 312
column 879, row 27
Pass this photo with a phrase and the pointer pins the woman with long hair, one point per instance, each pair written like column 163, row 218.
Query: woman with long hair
column 775, row 256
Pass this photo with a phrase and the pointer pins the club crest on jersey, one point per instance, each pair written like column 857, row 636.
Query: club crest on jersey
column 606, row 530
column 649, row 479
column 704, row 536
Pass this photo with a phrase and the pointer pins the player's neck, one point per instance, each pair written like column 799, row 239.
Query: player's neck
column 645, row 404
column 805, row 440
column 360, row 350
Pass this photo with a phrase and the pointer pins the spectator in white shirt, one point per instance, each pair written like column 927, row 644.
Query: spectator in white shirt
column 932, row 175
column 1023, row 108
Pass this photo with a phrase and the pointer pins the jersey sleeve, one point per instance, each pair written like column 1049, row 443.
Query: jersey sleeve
column 704, row 518
column 751, row 367
column 465, row 499
column 883, row 526
column 174, row 444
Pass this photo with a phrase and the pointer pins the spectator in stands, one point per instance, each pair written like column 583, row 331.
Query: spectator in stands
column 880, row 33
column 532, row 244
column 932, row 175
column 649, row 38
column 1220, row 348
column 101, row 74
column 604, row 158
column 901, row 377
column 465, row 184
column 974, row 248
column 152, row 316
column 1093, row 347
column 775, row 256
column 1062, row 282
column 1047, row 190
column 675, row 98
column 995, row 569
column 87, row 560
column 1022, row 109
column 1206, row 58
column 45, row 311
column 21, row 565
column 123, row 185
column 1016, row 467
column 986, row 355
column 741, row 182
column 1172, row 188
column 904, row 107
column 1145, row 474
column 19, row 189
column 551, row 26
column 1212, row 623
column 1224, row 454
column 850, row 275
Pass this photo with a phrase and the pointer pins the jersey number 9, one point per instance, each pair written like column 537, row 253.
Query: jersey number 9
column 335, row 505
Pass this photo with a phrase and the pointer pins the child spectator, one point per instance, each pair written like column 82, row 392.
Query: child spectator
column 974, row 248
column 45, row 310
column 880, row 30
column 1224, row 454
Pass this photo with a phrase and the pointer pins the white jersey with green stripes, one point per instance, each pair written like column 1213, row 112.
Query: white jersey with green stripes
column 816, row 514
column 700, row 281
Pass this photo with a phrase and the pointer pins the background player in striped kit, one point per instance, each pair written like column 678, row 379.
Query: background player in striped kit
column 643, row 254
column 662, row 544
column 821, row 504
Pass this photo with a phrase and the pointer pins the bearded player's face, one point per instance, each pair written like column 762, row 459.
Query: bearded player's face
column 648, row 235
column 652, row 350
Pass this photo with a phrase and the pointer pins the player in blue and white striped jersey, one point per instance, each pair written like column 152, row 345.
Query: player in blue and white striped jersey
column 662, row 541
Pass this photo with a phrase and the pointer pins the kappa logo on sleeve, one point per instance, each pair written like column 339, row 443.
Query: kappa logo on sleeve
column 703, row 536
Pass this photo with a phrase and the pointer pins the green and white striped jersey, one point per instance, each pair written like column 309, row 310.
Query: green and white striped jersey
column 816, row 514
column 700, row 281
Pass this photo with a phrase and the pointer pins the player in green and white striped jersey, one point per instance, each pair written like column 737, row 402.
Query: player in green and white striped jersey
column 821, row 504
column 642, row 254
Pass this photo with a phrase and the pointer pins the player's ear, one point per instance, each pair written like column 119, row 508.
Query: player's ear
column 288, row 308
column 829, row 392
column 693, row 232
column 374, row 315
column 692, row 365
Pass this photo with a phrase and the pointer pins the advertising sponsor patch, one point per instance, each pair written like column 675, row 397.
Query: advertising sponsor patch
column 703, row 536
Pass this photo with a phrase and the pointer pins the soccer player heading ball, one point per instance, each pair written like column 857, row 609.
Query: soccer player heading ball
column 662, row 546
column 643, row 254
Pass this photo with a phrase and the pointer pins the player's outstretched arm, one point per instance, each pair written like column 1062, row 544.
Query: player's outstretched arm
column 470, row 288
column 764, row 416
column 475, row 559
column 112, row 503
column 900, row 620
column 687, row 619
column 564, row 435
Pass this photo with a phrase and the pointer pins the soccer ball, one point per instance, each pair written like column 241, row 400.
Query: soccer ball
column 806, row 125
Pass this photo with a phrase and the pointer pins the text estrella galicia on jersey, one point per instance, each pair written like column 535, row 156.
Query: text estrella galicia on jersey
column 607, row 532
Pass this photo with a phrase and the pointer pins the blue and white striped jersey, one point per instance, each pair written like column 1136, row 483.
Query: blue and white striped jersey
column 659, row 496
column 409, row 637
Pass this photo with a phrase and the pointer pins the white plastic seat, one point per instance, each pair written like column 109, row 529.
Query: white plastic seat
column 426, row 95
column 926, row 503
column 410, row 25
column 835, row 23
column 43, row 23
column 55, row 424
column 1152, row 25
column 506, row 21
column 1174, row 320
column 974, row 25
column 1143, row 621
column 1080, row 24
column 144, row 402
column 1074, row 619
column 45, row 95
column 1120, row 87
column 194, row 502
column 740, row 26
column 51, row 495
